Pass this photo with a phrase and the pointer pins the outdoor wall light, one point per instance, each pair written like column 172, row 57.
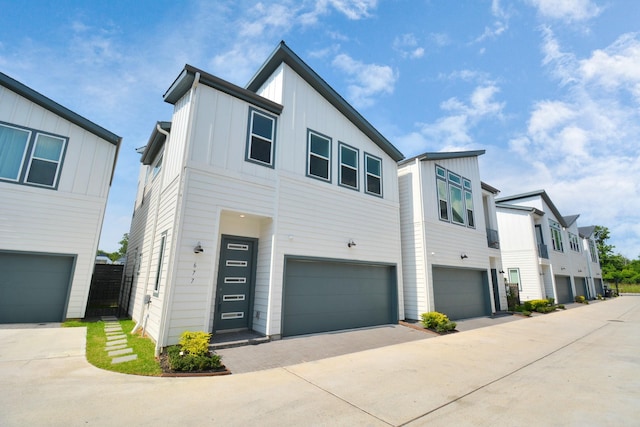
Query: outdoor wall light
column 351, row 243
column 463, row 256
column 563, row 268
column 501, row 271
column 198, row 249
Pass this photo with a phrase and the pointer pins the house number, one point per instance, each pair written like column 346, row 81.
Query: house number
column 193, row 275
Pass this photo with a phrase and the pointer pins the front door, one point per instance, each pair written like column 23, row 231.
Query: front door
column 236, row 281
column 496, row 290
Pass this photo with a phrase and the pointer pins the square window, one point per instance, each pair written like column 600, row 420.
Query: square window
column 319, row 156
column 348, row 166
column 13, row 147
column 261, row 138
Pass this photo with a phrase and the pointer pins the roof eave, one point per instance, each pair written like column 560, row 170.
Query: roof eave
column 283, row 54
column 156, row 141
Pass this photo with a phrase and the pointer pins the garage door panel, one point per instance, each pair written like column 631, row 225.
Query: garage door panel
column 563, row 289
column 322, row 296
column 461, row 293
column 34, row 288
column 581, row 286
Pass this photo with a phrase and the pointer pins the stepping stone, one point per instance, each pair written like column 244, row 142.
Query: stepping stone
column 113, row 330
column 109, row 318
column 116, row 337
column 114, row 333
column 116, row 342
column 120, row 352
column 116, row 347
column 121, row 359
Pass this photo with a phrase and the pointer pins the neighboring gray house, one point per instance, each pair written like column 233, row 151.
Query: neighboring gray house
column 55, row 173
column 272, row 208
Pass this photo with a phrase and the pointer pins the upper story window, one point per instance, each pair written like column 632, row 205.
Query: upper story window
column 157, row 166
column 261, row 138
column 30, row 157
column 455, row 198
column 318, row 156
column 348, row 166
column 373, row 174
column 574, row 243
column 556, row 235
column 163, row 241
column 592, row 250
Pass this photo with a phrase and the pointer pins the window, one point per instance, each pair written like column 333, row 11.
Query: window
column 592, row 249
column 373, row 175
column 556, row 236
column 574, row 243
column 157, row 166
column 319, row 156
column 514, row 277
column 30, row 157
column 163, row 240
column 261, row 139
column 455, row 198
column 348, row 166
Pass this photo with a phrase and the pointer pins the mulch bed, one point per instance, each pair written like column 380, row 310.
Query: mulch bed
column 168, row 372
column 419, row 327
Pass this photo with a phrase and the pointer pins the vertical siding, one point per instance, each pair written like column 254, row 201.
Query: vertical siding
column 63, row 221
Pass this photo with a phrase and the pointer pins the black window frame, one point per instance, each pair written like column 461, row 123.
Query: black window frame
column 251, row 135
column 341, row 164
column 319, row 156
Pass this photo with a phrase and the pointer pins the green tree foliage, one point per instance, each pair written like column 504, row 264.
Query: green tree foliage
column 615, row 267
column 114, row 256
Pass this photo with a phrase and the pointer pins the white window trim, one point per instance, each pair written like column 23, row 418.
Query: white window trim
column 250, row 135
column 464, row 189
column 517, row 270
column 367, row 174
column 342, row 145
column 310, row 154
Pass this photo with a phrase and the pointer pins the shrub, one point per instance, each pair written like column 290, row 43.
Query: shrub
column 545, row 309
column 581, row 299
column 550, row 300
column 533, row 305
column 600, row 297
column 187, row 362
column 437, row 321
column 561, row 306
column 195, row 342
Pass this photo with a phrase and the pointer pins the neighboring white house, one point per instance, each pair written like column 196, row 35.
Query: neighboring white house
column 272, row 208
column 55, row 173
column 594, row 271
column 450, row 247
column 542, row 250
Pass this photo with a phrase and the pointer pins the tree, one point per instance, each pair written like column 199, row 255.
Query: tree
column 124, row 243
column 605, row 251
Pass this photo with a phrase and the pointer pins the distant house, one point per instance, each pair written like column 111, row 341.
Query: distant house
column 542, row 250
column 55, row 173
column 594, row 271
column 450, row 248
column 272, row 208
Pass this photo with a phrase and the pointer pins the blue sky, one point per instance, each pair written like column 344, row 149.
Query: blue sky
column 549, row 88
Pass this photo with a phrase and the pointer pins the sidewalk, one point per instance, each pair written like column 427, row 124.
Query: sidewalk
column 572, row 368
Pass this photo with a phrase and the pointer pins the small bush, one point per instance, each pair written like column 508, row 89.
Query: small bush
column 561, row 306
column 581, row 299
column 437, row 321
column 196, row 343
column 534, row 304
column 545, row 309
column 181, row 361
column 600, row 297
column 550, row 300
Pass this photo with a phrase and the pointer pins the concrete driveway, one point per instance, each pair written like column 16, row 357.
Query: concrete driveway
column 580, row 367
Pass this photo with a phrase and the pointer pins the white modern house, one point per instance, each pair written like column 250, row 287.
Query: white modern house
column 272, row 208
column 451, row 258
column 590, row 251
column 56, row 169
column 542, row 251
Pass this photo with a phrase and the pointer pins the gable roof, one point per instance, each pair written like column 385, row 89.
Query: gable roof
column 156, row 141
column 488, row 188
column 283, row 54
column 539, row 193
column 520, row 208
column 54, row 107
column 586, row 232
column 187, row 78
column 444, row 155
column 570, row 219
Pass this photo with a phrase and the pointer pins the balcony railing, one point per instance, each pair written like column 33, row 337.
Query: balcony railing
column 542, row 251
column 492, row 238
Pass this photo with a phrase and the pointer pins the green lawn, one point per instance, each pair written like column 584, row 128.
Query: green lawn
column 145, row 364
column 625, row 288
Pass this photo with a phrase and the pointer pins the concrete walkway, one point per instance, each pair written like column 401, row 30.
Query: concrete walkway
column 117, row 346
column 580, row 367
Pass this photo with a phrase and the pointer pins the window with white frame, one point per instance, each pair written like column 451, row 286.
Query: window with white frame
column 163, row 241
column 348, row 166
column 318, row 156
column 514, row 277
column 373, row 174
column 556, row 236
column 592, row 249
column 157, row 166
column 30, row 157
column 455, row 198
column 261, row 138
column 574, row 242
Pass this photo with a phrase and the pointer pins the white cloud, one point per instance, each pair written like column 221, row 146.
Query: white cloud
column 366, row 81
column 407, row 45
column 352, row 9
column 500, row 25
column 567, row 10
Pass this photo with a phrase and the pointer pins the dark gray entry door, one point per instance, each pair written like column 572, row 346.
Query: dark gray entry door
column 321, row 296
column 236, row 282
column 461, row 293
column 563, row 289
column 34, row 288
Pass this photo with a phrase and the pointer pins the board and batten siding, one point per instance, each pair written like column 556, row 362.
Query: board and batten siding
column 66, row 220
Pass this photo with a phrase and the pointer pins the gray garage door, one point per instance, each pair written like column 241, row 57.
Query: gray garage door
column 34, row 288
column 461, row 293
column 581, row 286
column 322, row 296
column 599, row 288
column 563, row 289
